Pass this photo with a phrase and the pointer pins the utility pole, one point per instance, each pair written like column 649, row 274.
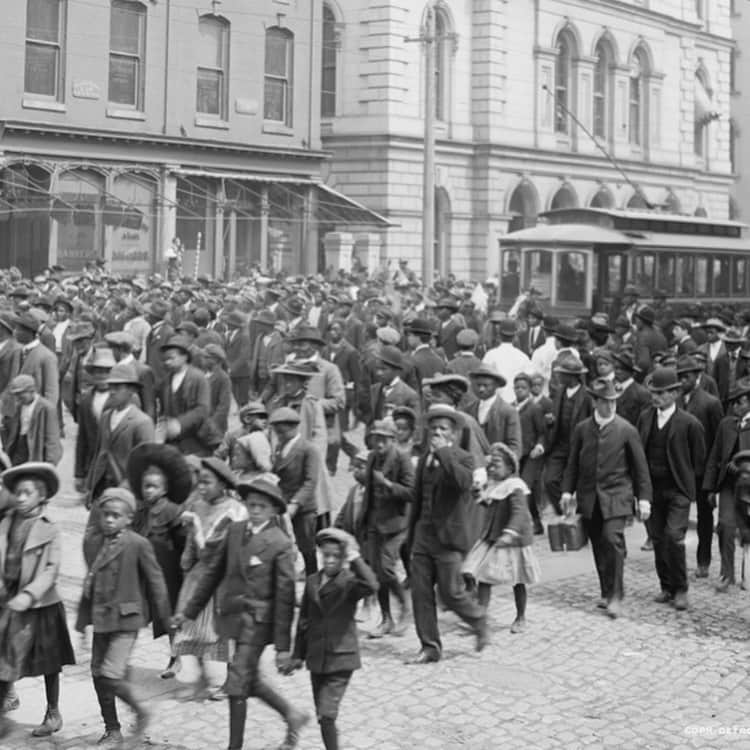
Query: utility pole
column 428, row 177
column 428, row 40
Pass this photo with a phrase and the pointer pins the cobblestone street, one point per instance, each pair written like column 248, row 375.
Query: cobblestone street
column 654, row 678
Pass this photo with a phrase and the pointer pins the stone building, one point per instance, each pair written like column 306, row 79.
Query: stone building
column 649, row 80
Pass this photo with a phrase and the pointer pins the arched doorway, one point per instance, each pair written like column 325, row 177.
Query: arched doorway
column 523, row 206
column 442, row 236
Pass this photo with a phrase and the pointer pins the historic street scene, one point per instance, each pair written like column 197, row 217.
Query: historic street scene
column 374, row 374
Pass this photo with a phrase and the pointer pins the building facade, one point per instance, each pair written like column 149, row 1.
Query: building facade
column 534, row 100
column 125, row 125
column 739, row 207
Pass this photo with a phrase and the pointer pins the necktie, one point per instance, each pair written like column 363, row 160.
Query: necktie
column 23, row 356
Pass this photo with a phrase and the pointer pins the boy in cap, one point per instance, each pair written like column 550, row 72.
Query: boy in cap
column 326, row 638
column 123, row 590
column 466, row 359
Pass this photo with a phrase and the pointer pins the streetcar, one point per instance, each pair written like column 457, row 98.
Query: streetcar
column 580, row 260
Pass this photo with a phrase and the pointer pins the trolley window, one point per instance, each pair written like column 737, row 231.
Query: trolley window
column 702, row 280
column 510, row 275
column 615, row 269
column 644, row 271
column 571, row 277
column 665, row 278
column 685, row 275
column 720, row 274
column 538, row 271
column 739, row 276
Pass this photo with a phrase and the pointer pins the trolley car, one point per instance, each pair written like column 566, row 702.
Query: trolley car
column 580, row 260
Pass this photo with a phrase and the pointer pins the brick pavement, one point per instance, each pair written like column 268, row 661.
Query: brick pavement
column 574, row 679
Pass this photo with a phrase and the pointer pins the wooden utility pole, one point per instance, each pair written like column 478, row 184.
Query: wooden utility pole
column 428, row 177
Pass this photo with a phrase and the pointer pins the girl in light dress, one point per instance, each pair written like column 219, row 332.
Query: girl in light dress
column 203, row 652
column 504, row 552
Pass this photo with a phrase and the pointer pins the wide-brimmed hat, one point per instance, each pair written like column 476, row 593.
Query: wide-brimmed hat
column 40, row 470
column 296, row 368
column 662, row 379
column 123, row 374
column 646, row 314
column 487, row 371
column 383, row 427
column 264, row 487
column 101, row 358
column 447, row 380
column 741, row 388
column 733, row 336
column 390, row 356
column 569, row 365
column 686, row 363
column 177, row 342
column 221, row 469
column 167, row 458
column 419, row 326
column 284, row 415
column 507, row 453
column 716, row 323
column 567, row 334
column 443, row 411
column 307, row 333
column 604, row 388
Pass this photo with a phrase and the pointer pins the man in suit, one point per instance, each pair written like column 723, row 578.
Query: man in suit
column 123, row 345
column 571, row 405
column 607, row 470
column 122, row 427
column 466, row 359
column 634, row 397
column 732, row 435
column 734, row 342
column 705, row 381
column 681, row 336
column 219, row 386
column 76, row 381
column 648, row 338
column 239, row 353
column 297, row 463
column 354, row 328
column 448, row 329
column 389, row 492
column 390, row 391
column 707, row 410
column 31, row 433
column 427, row 363
column 530, row 339
column 161, row 331
column 717, row 359
column 185, row 400
column 268, row 351
column 36, row 359
column 439, row 537
column 674, row 443
column 498, row 419
column 10, row 362
column 257, row 604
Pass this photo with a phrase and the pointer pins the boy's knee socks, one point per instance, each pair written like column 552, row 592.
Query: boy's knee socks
column 328, row 733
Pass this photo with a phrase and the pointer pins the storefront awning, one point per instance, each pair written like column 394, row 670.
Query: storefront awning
column 332, row 206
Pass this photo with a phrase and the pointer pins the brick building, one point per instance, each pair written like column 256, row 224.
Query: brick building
column 650, row 79
column 125, row 124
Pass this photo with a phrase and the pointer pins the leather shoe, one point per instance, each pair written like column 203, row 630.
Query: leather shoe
column 538, row 528
column 602, row 603
column 680, row 600
column 614, row 609
column 52, row 723
column 424, row 657
column 518, row 625
column 702, row 571
column 723, row 586
column 111, row 738
column 663, row 598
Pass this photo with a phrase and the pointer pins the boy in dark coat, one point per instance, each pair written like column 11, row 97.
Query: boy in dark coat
column 326, row 631
column 123, row 582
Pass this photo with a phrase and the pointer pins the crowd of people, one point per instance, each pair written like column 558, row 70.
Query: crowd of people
column 477, row 423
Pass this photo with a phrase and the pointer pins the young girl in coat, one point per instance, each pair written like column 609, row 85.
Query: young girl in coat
column 504, row 552
column 34, row 637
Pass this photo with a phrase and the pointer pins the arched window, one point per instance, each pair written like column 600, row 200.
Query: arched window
column 329, row 64
column 565, row 197
column 45, row 48
column 602, row 88
column 564, row 81
column 602, row 199
column 213, row 67
column 127, row 54
column 278, row 86
column 523, row 206
column 638, row 127
column 638, row 201
column 672, row 204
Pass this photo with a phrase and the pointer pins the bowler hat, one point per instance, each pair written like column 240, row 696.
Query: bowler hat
column 468, row 338
column 123, row 374
column 604, row 388
column 307, row 333
column 741, row 388
column 390, row 356
column 284, row 415
column 262, row 486
column 419, row 326
column 662, row 379
column 447, row 380
column 568, row 364
column 296, row 368
column 443, row 411
column 487, row 371
column 508, row 327
column 567, row 334
column 686, row 363
column 170, row 460
column 646, row 314
column 41, row 470
column 221, row 469
column 550, row 324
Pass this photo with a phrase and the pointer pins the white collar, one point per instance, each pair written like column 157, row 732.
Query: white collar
column 570, row 392
column 127, row 360
column 257, row 529
column 31, row 345
column 664, row 415
column 603, row 422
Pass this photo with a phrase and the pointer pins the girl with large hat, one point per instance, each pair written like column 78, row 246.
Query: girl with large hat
column 34, row 639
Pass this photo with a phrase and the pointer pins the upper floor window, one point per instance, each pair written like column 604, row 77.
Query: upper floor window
column 602, row 89
column 704, row 114
column 637, row 125
column 278, row 87
column 330, row 59
column 212, row 96
column 564, row 82
column 127, row 53
column 44, row 73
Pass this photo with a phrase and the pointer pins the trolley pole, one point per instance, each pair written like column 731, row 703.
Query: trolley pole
column 428, row 180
